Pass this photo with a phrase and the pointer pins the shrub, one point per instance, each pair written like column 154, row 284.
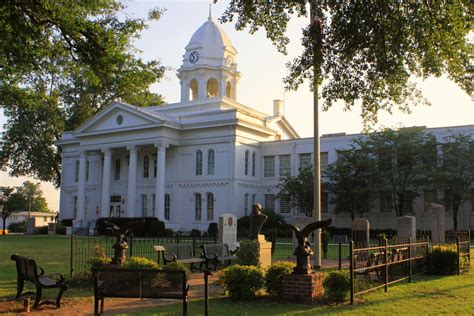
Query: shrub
column 146, row 226
column 174, row 280
column 212, row 229
column 168, row 232
column 241, row 282
column 100, row 258
column 43, row 230
column 274, row 276
column 442, row 260
column 195, row 233
column 81, row 279
column 60, row 229
column 17, row 227
column 248, row 253
column 139, row 263
column 336, row 286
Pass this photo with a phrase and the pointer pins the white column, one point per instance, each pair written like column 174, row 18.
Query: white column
column 105, row 206
column 132, row 182
column 160, row 181
column 81, row 186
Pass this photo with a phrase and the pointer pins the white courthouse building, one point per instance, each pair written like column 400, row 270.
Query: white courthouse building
column 189, row 162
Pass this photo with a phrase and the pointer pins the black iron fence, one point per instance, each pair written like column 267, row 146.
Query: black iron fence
column 84, row 248
column 377, row 267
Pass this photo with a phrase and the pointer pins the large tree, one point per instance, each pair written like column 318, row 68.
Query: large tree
column 298, row 190
column 61, row 62
column 32, row 194
column 8, row 204
column 366, row 51
column 455, row 173
column 350, row 182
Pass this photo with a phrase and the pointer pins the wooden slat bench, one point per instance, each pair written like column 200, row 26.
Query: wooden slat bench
column 27, row 270
column 181, row 253
column 217, row 253
column 150, row 283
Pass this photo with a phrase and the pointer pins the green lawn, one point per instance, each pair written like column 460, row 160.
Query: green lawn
column 426, row 295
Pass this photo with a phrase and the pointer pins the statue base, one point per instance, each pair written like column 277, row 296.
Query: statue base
column 265, row 250
column 305, row 288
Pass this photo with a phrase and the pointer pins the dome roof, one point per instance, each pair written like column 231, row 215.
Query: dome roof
column 211, row 40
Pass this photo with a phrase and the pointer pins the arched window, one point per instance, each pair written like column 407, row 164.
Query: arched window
column 87, row 170
column 167, row 206
column 199, row 163
column 76, row 175
column 210, row 161
column 144, row 206
column 117, row 169
column 210, row 207
column 197, row 207
column 228, row 89
column 254, row 163
column 212, row 88
column 247, row 157
column 146, row 166
column 193, row 89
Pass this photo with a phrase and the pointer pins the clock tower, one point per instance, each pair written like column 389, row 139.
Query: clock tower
column 209, row 69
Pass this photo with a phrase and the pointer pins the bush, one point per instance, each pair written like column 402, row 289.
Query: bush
column 174, row 279
column 212, row 230
column 248, row 253
column 139, row 263
column 168, row 232
column 147, row 226
column 241, row 282
column 82, row 279
column 17, row 227
column 442, row 260
column 337, row 286
column 100, row 258
column 43, row 230
column 274, row 276
column 60, row 229
column 195, row 233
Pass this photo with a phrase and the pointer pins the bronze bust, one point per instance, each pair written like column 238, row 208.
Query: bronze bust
column 257, row 219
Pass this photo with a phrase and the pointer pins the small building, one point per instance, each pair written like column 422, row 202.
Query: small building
column 41, row 218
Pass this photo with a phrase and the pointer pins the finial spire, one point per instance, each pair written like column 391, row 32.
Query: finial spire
column 210, row 12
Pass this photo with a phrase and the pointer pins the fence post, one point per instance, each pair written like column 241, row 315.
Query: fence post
column 409, row 261
column 340, row 256
column 71, row 257
column 194, row 246
column 351, row 269
column 386, row 264
column 458, row 249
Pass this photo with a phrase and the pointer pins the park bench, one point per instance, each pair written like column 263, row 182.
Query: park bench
column 181, row 253
column 217, row 253
column 27, row 270
column 149, row 283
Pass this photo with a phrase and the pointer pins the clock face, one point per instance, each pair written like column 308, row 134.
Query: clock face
column 193, row 57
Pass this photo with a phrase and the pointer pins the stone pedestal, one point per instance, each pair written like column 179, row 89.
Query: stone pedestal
column 438, row 229
column 303, row 287
column 361, row 232
column 265, row 248
column 406, row 229
column 52, row 229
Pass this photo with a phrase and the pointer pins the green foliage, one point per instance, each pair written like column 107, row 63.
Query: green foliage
column 248, row 253
column 298, row 191
column 100, row 258
column 269, row 227
column 43, row 230
column 241, row 282
column 274, row 276
column 325, row 238
column 139, row 263
column 195, row 233
column 83, row 279
column 442, row 260
column 175, row 280
column 368, row 51
column 60, row 229
column 212, row 230
column 17, row 227
column 60, row 63
column 337, row 286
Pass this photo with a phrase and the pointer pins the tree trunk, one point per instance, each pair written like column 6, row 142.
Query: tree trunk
column 4, row 219
column 455, row 216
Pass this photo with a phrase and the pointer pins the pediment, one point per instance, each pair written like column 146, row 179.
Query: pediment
column 117, row 117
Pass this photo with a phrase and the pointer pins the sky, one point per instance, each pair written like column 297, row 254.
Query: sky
column 262, row 69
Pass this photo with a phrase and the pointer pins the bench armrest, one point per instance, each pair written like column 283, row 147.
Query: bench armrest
column 41, row 273
column 55, row 276
column 174, row 257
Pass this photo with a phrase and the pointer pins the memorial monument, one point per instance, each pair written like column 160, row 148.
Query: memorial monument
column 257, row 219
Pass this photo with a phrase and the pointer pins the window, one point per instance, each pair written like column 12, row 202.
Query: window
column 153, row 205
column 117, row 169
column 305, row 160
column 155, row 166
column 76, row 176
column 269, row 166
column 386, row 204
column 285, row 206
column 211, row 161
column 193, row 89
column 325, row 202
column 429, row 196
column 285, row 165
column 210, row 207
column 167, row 206
column 144, row 205
column 115, row 199
column 197, row 206
column 212, row 88
column 74, row 203
column 87, row 170
column 146, row 166
column 323, row 161
column 246, row 204
column 199, row 163
column 254, row 162
column 254, row 199
column 270, row 202
column 247, row 157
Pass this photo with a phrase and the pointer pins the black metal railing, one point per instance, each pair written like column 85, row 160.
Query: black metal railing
column 84, row 248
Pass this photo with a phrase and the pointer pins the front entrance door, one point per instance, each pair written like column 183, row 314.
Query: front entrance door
column 115, row 205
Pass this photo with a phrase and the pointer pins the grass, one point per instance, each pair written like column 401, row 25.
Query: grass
column 426, row 295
